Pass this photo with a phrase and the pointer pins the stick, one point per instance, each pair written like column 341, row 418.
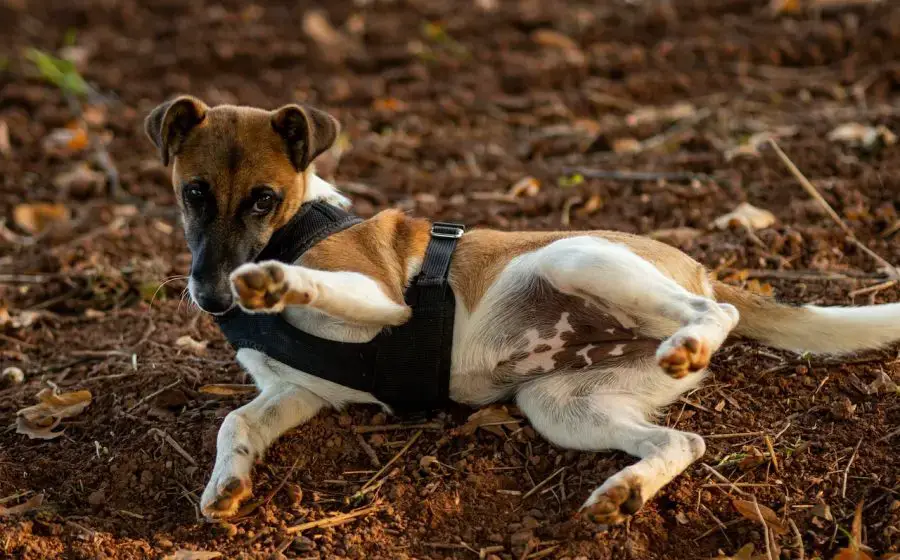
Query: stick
column 373, row 457
column 543, row 482
column 718, row 522
column 765, row 529
column 847, row 470
column 737, row 435
column 633, row 175
column 890, row 269
column 721, row 477
column 153, row 394
column 335, row 520
column 397, row 427
column 889, row 435
column 799, row 537
column 168, row 439
column 772, row 456
column 873, row 289
column 406, row 447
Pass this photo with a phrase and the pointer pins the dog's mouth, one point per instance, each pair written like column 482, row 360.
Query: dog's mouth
column 210, row 300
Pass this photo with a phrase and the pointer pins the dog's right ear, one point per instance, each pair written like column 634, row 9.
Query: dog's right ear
column 169, row 124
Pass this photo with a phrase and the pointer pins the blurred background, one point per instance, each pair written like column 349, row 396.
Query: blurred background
column 648, row 116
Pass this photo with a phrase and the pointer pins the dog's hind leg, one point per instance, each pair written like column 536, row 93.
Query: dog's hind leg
column 693, row 325
column 580, row 411
column 247, row 432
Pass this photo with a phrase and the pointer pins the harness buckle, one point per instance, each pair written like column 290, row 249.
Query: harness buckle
column 447, row 230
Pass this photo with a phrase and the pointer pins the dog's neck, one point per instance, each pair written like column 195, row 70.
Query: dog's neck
column 318, row 188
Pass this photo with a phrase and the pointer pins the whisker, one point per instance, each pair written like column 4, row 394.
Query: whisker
column 161, row 286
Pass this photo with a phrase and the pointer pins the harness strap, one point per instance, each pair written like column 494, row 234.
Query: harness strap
column 413, row 361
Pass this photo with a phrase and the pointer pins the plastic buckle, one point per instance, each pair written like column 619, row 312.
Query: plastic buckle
column 447, row 230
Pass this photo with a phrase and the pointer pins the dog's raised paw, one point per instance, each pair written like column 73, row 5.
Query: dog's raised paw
column 264, row 288
column 613, row 504
column 225, row 499
column 682, row 355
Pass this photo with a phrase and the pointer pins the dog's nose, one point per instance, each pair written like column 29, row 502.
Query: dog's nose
column 212, row 302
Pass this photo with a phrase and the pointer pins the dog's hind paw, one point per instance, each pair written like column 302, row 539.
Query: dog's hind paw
column 221, row 500
column 683, row 354
column 614, row 502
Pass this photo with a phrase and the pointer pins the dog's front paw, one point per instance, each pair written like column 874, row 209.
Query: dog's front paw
column 264, row 288
column 223, row 496
column 614, row 502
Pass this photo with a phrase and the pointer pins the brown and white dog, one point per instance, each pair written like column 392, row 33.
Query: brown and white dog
column 588, row 332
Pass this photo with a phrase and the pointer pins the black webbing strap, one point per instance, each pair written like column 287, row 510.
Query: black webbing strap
column 313, row 222
column 413, row 361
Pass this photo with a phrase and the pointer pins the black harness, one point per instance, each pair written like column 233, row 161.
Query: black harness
column 405, row 367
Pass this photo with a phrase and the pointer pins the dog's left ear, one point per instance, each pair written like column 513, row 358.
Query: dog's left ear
column 169, row 124
column 307, row 132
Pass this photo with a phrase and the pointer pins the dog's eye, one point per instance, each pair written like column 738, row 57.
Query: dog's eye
column 264, row 204
column 195, row 193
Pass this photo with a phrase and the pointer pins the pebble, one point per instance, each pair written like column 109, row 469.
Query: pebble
column 97, row 497
column 295, row 493
column 303, row 544
column 495, row 538
column 12, row 376
column 529, row 522
column 521, row 538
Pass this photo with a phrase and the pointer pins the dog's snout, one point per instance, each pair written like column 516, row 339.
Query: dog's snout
column 212, row 301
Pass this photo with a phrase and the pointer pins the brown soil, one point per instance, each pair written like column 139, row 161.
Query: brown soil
column 443, row 102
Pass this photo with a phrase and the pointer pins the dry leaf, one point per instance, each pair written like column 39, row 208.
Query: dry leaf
column 492, row 419
column 626, row 145
column 66, row 141
column 80, row 181
column 191, row 345
column 822, row 511
column 746, row 215
column 427, row 462
column 550, row 38
column 748, row 510
column 193, row 555
column 320, row 30
column 761, row 288
column 785, row 7
column 850, row 554
column 882, row 384
column 30, row 504
column 38, row 421
column 227, row 389
column 843, row 409
column 594, row 203
column 650, row 115
column 5, row 146
column 390, row 105
column 35, row 218
column 862, row 136
column 527, row 186
column 750, row 147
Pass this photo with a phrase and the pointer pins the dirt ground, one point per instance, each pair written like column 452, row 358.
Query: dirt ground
column 445, row 106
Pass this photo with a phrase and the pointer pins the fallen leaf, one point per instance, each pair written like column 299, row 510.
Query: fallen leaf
column 81, row 181
column 850, row 554
column 843, row 409
column 822, row 511
column 193, row 555
column 785, row 7
column 627, row 145
column 748, row 510
column 746, row 215
column 650, row 115
column 676, row 236
column 594, row 203
column 38, row 421
column 193, row 346
column 750, row 146
column 492, row 419
column 527, row 186
column 65, row 141
column 5, row 146
column 427, row 462
column 227, row 389
column 37, row 217
column 863, row 136
column 882, row 384
column 681, row 518
column 761, row 288
column 555, row 39
column 30, row 504
column 390, row 105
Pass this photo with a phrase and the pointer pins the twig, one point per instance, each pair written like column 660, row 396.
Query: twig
column 847, row 470
column 335, row 520
column 799, row 537
column 153, row 394
column 765, row 529
column 736, row 435
column 397, row 427
column 772, row 456
column 406, row 447
column 873, row 289
column 168, row 439
column 721, row 477
column 633, row 175
column 718, row 522
column 251, row 507
column 543, row 482
column 373, row 457
column 682, row 126
column 890, row 435
column 890, row 269
column 806, row 275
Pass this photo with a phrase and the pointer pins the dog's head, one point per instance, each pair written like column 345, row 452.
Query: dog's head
column 238, row 174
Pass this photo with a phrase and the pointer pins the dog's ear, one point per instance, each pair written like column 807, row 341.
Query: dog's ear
column 307, row 132
column 169, row 124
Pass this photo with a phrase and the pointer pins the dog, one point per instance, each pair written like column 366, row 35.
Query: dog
column 588, row 332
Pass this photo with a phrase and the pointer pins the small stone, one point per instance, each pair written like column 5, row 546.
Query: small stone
column 495, row 538
column 97, row 497
column 536, row 513
column 295, row 493
column 345, row 420
column 11, row 376
column 520, row 538
column 303, row 544
column 529, row 522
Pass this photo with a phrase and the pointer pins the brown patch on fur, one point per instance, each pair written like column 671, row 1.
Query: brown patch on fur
column 483, row 254
column 236, row 149
column 382, row 248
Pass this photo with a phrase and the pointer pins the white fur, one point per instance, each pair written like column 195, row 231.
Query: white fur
column 835, row 330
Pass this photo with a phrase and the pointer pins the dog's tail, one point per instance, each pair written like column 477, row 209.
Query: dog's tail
column 819, row 330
